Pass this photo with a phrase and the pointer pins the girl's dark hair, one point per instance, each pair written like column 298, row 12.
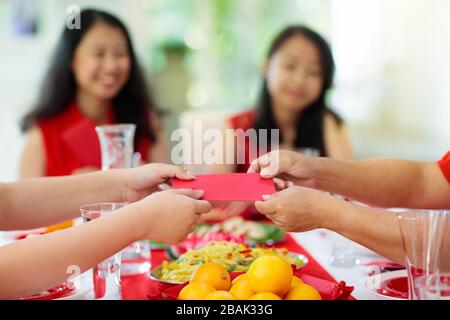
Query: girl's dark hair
column 310, row 127
column 133, row 104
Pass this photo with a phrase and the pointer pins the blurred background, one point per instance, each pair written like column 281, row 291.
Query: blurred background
column 204, row 57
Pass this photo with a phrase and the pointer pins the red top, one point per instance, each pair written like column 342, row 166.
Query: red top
column 244, row 121
column 70, row 142
column 444, row 164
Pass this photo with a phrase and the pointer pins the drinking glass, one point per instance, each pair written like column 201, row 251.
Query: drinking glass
column 422, row 234
column 117, row 149
column 106, row 275
column 435, row 286
column 343, row 250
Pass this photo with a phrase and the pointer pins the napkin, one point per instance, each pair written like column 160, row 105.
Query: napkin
column 239, row 187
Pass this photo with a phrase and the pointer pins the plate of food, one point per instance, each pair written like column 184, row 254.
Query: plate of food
column 254, row 232
column 235, row 230
column 235, row 257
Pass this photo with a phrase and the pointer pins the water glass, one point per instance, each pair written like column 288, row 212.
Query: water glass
column 106, row 275
column 343, row 251
column 422, row 234
column 117, row 149
column 435, row 286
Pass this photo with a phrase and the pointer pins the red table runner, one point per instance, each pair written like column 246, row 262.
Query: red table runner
column 141, row 287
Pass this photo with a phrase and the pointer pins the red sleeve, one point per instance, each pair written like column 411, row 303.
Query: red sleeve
column 444, row 164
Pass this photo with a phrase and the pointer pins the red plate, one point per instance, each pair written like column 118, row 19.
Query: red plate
column 396, row 288
column 392, row 285
column 55, row 293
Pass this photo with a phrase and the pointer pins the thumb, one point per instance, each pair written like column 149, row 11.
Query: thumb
column 265, row 207
column 202, row 206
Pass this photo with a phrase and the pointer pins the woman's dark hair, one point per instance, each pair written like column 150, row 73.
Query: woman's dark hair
column 310, row 127
column 133, row 104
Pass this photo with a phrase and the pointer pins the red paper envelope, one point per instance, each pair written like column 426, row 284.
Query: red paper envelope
column 82, row 139
column 240, row 187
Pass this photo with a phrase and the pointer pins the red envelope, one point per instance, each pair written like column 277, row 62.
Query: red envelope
column 241, row 187
column 82, row 139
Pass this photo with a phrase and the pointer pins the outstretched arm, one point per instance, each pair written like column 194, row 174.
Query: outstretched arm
column 380, row 182
column 37, row 264
column 41, row 202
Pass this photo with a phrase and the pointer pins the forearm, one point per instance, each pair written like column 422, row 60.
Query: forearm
column 31, row 266
column 385, row 182
column 39, row 202
column 374, row 229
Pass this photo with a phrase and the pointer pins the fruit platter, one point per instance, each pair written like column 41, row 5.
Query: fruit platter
column 269, row 277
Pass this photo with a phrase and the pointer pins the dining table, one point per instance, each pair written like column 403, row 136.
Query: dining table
column 316, row 245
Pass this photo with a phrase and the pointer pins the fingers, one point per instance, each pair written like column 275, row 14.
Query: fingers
column 258, row 164
column 265, row 207
column 202, row 207
column 267, row 165
column 194, row 194
column 183, row 174
column 163, row 187
column 281, row 184
column 167, row 171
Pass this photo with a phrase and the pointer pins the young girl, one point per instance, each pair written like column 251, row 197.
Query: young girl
column 298, row 74
column 94, row 78
column 37, row 264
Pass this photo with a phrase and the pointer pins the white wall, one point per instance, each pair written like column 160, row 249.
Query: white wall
column 393, row 75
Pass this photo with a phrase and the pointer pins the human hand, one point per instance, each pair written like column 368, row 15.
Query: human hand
column 298, row 209
column 287, row 167
column 170, row 216
column 142, row 181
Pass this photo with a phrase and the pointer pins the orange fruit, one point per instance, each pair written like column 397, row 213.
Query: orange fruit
column 213, row 274
column 195, row 291
column 220, row 295
column 270, row 274
column 296, row 281
column 239, row 278
column 303, row 292
column 242, row 290
column 265, row 296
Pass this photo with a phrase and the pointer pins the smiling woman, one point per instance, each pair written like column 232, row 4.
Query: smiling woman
column 94, row 78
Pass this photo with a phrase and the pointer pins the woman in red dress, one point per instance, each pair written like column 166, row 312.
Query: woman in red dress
column 94, row 78
column 298, row 74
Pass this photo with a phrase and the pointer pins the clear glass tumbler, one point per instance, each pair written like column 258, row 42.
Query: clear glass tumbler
column 433, row 287
column 423, row 233
column 106, row 275
column 117, row 149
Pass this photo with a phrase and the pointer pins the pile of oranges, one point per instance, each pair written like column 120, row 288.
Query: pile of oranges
column 268, row 278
